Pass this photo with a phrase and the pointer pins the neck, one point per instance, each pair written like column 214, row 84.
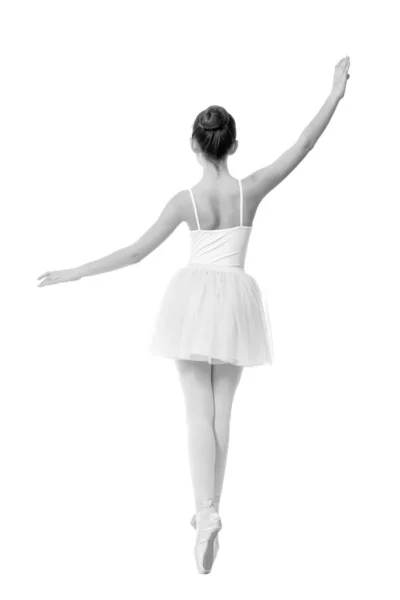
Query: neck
column 211, row 175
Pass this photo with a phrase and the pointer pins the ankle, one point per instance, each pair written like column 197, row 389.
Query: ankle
column 206, row 507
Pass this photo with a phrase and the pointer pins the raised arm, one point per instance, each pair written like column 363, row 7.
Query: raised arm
column 266, row 179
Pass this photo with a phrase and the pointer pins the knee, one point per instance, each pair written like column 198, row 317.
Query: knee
column 200, row 419
column 223, row 412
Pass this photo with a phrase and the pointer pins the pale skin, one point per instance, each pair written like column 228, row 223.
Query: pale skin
column 209, row 389
column 255, row 186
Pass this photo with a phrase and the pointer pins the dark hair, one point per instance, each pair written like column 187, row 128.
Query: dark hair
column 214, row 129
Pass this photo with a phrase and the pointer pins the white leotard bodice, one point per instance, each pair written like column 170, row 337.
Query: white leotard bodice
column 224, row 247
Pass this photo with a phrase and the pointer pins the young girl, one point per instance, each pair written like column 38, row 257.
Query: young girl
column 211, row 320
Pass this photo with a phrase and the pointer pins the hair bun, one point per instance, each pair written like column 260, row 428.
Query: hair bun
column 214, row 117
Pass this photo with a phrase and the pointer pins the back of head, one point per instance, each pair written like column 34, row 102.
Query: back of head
column 214, row 130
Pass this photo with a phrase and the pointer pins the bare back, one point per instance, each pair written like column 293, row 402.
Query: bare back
column 219, row 207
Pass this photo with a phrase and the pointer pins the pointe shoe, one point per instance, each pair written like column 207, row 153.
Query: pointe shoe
column 216, row 541
column 207, row 528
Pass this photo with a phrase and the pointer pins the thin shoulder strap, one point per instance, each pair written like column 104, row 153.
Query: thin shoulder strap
column 241, row 202
column 195, row 209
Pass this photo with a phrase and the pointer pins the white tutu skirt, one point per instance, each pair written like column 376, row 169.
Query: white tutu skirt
column 215, row 314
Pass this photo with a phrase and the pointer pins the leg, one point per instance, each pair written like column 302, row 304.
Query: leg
column 195, row 378
column 225, row 379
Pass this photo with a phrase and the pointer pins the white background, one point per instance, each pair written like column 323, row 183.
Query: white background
column 98, row 101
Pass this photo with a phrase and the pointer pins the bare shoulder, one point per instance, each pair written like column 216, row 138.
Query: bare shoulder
column 176, row 204
column 182, row 204
column 181, row 201
column 251, row 195
column 262, row 181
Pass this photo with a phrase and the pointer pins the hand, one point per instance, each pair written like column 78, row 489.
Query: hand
column 53, row 277
column 340, row 77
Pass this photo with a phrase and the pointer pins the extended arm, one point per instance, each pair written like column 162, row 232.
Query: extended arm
column 264, row 180
column 312, row 132
column 319, row 123
column 267, row 178
column 111, row 262
column 170, row 217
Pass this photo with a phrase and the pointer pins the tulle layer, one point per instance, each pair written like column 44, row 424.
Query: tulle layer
column 214, row 314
